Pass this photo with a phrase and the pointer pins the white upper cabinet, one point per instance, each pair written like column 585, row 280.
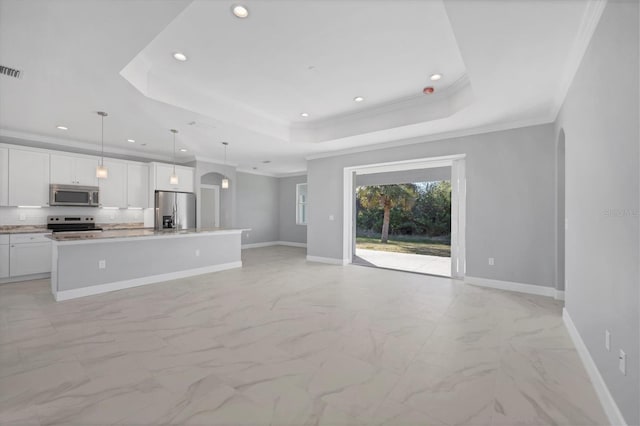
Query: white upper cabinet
column 71, row 170
column 86, row 171
column 163, row 174
column 137, row 185
column 28, row 178
column 4, row 177
column 113, row 189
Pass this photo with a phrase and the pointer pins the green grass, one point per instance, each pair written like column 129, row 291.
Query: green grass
column 396, row 244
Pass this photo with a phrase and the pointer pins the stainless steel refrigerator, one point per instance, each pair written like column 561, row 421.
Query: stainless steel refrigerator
column 175, row 210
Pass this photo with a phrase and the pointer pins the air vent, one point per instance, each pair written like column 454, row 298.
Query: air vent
column 10, row 72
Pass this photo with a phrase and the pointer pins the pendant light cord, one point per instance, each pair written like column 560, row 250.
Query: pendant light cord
column 102, row 140
column 174, row 131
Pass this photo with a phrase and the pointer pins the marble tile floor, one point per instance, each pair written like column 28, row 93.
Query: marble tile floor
column 286, row 342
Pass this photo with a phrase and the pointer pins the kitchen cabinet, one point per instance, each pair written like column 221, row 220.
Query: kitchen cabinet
column 162, row 175
column 72, row 170
column 137, row 185
column 4, row 256
column 29, row 254
column 113, row 190
column 28, row 178
column 4, row 176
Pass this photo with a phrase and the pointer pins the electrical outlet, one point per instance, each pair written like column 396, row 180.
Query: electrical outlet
column 102, row 264
column 332, row 217
column 23, row 216
column 607, row 340
column 492, row 261
column 622, row 365
column 197, row 252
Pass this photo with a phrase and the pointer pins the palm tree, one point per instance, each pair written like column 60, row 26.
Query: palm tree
column 387, row 197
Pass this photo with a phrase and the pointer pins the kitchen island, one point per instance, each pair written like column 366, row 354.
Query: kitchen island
column 85, row 264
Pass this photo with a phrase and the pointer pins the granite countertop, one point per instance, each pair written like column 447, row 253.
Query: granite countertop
column 24, row 229
column 132, row 233
column 42, row 229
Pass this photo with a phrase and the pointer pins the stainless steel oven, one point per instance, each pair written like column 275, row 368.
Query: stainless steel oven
column 73, row 195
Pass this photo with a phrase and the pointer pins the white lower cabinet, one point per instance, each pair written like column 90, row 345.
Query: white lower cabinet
column 4, row 259
column 29, row 254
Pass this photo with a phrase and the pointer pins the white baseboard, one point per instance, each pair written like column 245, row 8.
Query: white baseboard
column 511, row 286
column 258, row 245
column 329, row 260
column 291, row 244
column 24, row 278
column 273, row 243
column 137, row 282
column 608, row 403
column 559, row 295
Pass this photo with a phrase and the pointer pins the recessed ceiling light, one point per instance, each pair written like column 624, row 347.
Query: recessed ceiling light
column 240, row 11
column 183, row 150
column 304, row 114
column 179, row 56
column 131, row 140
column 358, row 99
column 62, row 128
column 436, row 77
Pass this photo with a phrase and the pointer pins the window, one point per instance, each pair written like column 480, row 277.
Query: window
column 301, row 204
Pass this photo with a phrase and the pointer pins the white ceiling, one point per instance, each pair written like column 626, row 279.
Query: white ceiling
column 246, row 81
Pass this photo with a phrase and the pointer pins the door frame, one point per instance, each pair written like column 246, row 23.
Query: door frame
column 216, row 198
column 458, row 203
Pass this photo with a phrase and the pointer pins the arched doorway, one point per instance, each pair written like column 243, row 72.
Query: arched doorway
column 210, row 185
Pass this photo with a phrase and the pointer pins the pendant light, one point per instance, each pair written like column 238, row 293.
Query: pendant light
column 101, row 170
column 173, row 180
column 225, row 181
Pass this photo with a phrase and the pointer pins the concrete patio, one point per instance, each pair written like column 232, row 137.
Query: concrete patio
column 434, row 265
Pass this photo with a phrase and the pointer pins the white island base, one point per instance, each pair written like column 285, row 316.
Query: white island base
column 84, row 265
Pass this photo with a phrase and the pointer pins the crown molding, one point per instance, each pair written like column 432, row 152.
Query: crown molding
column 74, row 146
column 215, row 161
column 588, row 25
column 257, row 172
column 292, row 174
column 435, row 137
column 270, row 174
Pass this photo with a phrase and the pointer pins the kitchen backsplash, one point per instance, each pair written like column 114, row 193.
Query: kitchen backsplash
column 34, row 216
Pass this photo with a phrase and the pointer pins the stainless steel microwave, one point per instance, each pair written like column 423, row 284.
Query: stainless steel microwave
column 73, row 195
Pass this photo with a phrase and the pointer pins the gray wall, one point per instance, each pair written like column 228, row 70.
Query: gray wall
column 406, row 176
column 257, row 207
column 289, row 230
column 600, row 121
column 510, row 200
column 560, row 213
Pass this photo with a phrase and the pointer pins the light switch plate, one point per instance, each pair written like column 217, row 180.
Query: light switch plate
column 607, row 340
column 102, row 264
column 492, row 261
column 623, row 362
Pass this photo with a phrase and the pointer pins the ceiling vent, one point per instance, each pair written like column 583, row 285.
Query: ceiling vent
column 10, row 72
